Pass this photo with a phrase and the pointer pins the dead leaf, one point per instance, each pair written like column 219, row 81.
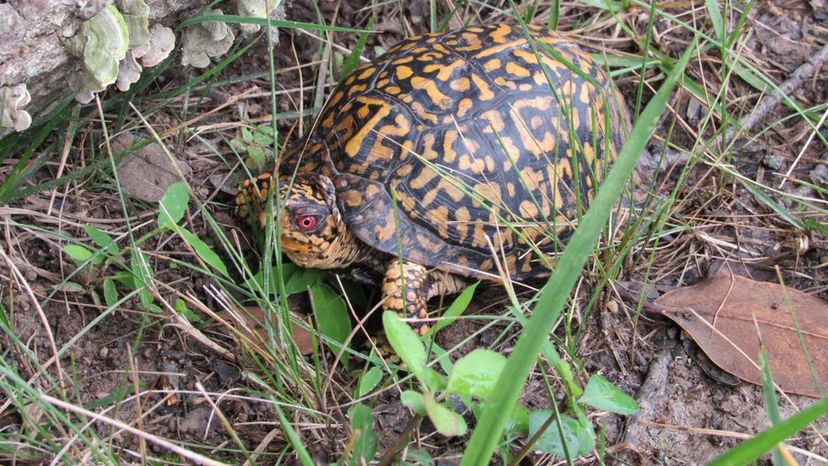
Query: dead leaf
column 722, row 314
column 254, row 322
column 148, row 172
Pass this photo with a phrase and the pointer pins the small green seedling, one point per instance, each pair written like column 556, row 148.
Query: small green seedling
column 470, row 379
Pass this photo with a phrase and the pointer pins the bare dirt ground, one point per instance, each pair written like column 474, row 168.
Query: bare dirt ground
column 691, row 411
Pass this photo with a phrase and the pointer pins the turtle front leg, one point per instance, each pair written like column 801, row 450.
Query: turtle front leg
column 408, row 287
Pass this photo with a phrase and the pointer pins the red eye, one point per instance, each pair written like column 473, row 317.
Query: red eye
column 306, row 222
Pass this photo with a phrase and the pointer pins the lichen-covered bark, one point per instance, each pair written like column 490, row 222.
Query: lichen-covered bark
column 33, row 35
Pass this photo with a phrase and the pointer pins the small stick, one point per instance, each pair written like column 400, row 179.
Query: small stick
column 802, row 73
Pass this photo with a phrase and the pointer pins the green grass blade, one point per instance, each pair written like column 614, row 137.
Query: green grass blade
column 715, row 15
column 301, row 452
column 353, row 59
column 267, row 22
column 751, row 449
column 771, row 402
column 555, row 293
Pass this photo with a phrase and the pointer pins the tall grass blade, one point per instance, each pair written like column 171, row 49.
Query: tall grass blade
column 555, row 293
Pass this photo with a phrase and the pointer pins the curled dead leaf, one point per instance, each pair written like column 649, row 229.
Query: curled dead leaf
column 728, row 316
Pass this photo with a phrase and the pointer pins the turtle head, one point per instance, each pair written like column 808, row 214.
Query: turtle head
column 313, row 231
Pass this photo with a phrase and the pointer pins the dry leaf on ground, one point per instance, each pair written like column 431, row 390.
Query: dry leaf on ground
column 147, row 173
column 254, row 319
column 722, row 315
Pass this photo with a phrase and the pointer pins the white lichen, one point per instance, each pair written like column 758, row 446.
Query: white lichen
column 13, row 99
column 161, row 43
column 204, row 41
column 136, row 16
column 129, row 71
column 101, row 44
column 149, row 45
column 255, row 9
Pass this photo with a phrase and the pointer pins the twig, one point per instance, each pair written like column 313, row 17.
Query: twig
column 800, row 75
column 163, row 443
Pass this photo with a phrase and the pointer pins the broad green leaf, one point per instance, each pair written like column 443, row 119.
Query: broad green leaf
column 406, row 344
column 331, row 315
column 301, row 279
column 434, row 380
column 446, row 421
column 77, row 252
column 578, row 438
column 71, row 287
column 362, row 430
column 601, row 394
column 476, row 373
column 173, row 204
column 203, row 251
column 555, row 293
column 369, row 380
column 518, row 423
column 418, row 457
column 414, row 401
column 458, row 306
column 101, row 239
column 110, row 292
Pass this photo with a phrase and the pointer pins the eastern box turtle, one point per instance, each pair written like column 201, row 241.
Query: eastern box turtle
column 445, row 152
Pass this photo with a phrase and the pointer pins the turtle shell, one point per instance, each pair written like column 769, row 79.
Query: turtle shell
column 451, row 146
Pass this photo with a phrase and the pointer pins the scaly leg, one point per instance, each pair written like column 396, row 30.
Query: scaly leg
column 408, row 287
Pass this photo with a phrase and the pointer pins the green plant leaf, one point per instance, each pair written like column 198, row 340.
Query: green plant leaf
column 600, row 393
column 369, row 380
column 414, row 401
column 183, row 309
column 458, row 306
column 446, row 421
column 417, row 457
column 173, row 205
column 476, row 373
column 579, row 438
column 407, row 345
column 516, row 425
column 101, row 239
column 78, row 253
column 204, row 252
column 362, row 429
column 331, row 315
column 110, row 292
column 300, row 279
column 814, row 225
